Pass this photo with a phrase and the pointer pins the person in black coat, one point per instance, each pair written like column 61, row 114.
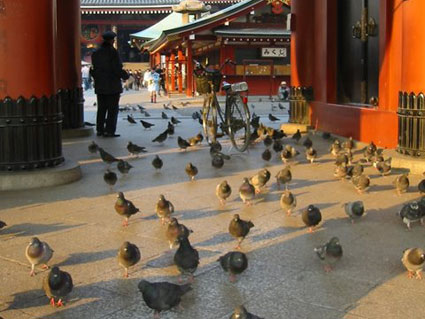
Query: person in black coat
column 107, row 73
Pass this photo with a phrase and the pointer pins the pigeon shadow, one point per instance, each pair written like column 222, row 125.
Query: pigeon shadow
column 202, row 213
column 85, row 258
column 219, row 238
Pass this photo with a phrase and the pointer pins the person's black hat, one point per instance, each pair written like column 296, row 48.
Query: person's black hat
column 109, row 35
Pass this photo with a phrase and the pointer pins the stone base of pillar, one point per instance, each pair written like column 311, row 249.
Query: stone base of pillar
column 77, row 132
column 72, row 106
column 413, row 165
column 291, row 128
column 65, row 173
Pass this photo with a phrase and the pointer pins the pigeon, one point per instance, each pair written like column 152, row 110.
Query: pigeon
column 239, row 229
column 401, row 183
column 369, row 152
column 288, row 153
column 165, row 106
column 125, row 208
column 355, row 170
column 412, row 212
column 413, row 259
column 326, row 135
column 241, row 313
column 280, row 105
column 217, row 161
column 161, row 296
column 284, row 176
column 130, row 119
column 268, row 141
column 141, row 108
column 106, row 157
column 38, row 252
column 341, row 171
column 255, row 122
column 246, row 191
column 128, row 255
column 175, row 121
column 57, row 285
column 252, row 106
column 361, row 183
column 348, row 144
column 223, row 191
column 311, row 217
column 124, row 167
column 164, row 208
column 157, row 162
column 310, row 154
column 307, row 142
column 164, row 116
column 278, row 134
column 110, row 178
column 93, row 147
column 186, row 258
column 341, row 159
column 421, row 187
column 196, row 115
column 170, row 129
column 146, row 125
column 147, row 114
column 329, row 253
column 354, row 210
column 273, row 118
column 266, row 155
column 191, row 171
column 335, row 148
column 277, row 146
column 260, row 180
column 215, row 147
column 197, row 139
column 161, row 137
column 185, row 103
column 134, row 149
column 288, row 202
column 383, row 167
column 183, row 144
column 234, row 263
column 94, row 103
column 175, row 108
column 2, row 224
column 297, row 136
column 176, row 230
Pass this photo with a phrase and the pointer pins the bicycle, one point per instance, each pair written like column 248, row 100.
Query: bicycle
column 236, row 119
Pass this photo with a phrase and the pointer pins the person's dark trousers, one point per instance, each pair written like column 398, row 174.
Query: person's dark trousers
column 107, row 112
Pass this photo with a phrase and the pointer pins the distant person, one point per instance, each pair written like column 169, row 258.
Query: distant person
column 85, row 74
column 107, row 73
column 146, row 77
column 153, row 86
column 283, row 92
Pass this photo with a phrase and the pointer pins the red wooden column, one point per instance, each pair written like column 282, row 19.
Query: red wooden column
column 68, row 63
column 189, row 69
column 167, row 77
column 30, row 117
column 173, row 72
column 180, row 59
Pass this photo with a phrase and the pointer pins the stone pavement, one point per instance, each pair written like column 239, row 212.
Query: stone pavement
column 284, row 279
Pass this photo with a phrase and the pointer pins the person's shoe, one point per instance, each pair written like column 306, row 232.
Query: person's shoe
column 99, row 134
column 111, row 135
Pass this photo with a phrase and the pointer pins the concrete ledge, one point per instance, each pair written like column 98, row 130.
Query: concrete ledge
column 291, row 128
column 66, row 173
column 77, row 132
column 415, row 165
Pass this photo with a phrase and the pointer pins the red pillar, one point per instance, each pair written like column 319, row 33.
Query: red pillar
column 31, row 134
column 189, row 69
column 68, row 63
column 180, row 59
column 173, row 72
column 167, row 77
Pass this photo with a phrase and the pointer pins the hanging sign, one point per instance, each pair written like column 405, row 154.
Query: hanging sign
column 273, row 52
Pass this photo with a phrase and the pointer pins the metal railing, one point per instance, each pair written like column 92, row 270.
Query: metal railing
column 299, row 110
column 411, row 124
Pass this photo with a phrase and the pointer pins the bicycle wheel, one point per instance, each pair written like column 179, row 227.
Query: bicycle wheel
column 209, row 119
column 238, row 122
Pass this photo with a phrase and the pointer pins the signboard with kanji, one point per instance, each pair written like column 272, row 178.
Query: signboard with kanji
column 273, row 52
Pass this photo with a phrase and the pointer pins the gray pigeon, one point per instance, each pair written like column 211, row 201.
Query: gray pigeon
column 310, row 154
column 164, row 208
column 106, row 157
column 124, row 167
column 355, row 171
column 241, row 313
column 239, row 229
column 93, row 147
column 354, row 210
column 361, row 183
column 329, row 253
column 311, row 217
column 401, row 183
column 57, row 285
column 260, row 180
column 284, row 176
column 341, row 171
column 335, row 147
column 157, row 162
column 223, row 191
column 191, row 171
column 288, row 202
column 38, row 252
column 161, row 296
column 110, row 178
column 186, row 258
column 234, row 262
column 125, row 208
column 135, row 150
column 383, row 167
column 414, row 259
column 246, row 191
column 128, row 255
column 176, row 230
column 266, row 155
column 412, row 212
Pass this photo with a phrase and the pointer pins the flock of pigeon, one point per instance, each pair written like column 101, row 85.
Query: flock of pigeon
column 161, row 296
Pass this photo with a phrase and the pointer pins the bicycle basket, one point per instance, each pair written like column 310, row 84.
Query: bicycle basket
column 202, row 85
